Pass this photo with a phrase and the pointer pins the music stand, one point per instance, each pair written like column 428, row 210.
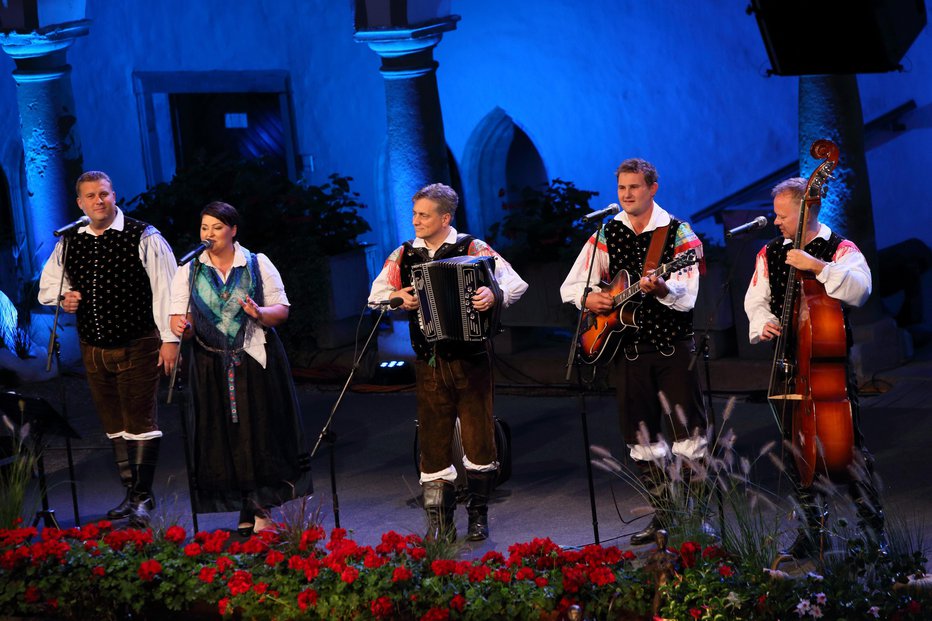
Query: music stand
column 43, row 420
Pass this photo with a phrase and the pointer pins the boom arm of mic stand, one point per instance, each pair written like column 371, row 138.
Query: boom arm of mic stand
column 325, row 432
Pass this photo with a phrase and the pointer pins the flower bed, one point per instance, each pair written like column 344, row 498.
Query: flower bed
column 97, row 572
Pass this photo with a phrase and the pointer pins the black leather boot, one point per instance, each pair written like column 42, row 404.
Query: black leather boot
column 654, row 481
column 440, row 504
column 809, row 541
column 121, row 456
column 480, row 486
column 143, row 458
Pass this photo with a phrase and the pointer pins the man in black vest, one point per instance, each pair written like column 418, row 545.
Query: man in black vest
column 117, row 279
column 656, row 358
column 454, row 378
column 839, row 265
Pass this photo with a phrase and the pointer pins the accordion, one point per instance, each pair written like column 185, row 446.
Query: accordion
column 445, row 288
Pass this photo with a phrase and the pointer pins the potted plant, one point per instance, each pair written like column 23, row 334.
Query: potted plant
column 541, row 234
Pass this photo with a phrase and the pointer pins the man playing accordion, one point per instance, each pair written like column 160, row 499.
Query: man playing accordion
column 453, row 377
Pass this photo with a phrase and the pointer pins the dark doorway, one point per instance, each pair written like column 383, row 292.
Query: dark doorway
column 228, row 125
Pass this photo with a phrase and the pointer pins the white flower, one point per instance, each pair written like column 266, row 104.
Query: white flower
column 815, row 612
column 814, row 576
column 874, row 611
column 820, row 598
column 802, row 608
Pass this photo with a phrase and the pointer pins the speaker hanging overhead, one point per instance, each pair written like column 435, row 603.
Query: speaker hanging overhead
column 838, row 37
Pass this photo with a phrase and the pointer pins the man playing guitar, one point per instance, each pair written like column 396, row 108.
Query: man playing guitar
column 655, row 356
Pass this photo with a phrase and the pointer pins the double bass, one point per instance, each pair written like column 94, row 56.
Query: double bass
column 808, row 380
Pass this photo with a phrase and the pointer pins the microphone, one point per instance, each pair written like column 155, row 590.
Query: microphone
column 201, row 247
column 392, row 303
column 74, row 226
column 611, row 210
column 757, row 223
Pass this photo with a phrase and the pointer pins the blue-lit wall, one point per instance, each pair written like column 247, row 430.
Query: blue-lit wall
column 678, row 82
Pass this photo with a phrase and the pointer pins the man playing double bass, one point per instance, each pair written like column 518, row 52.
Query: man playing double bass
column 839, row 265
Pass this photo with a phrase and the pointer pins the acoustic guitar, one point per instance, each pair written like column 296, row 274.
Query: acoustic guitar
column 601, row 333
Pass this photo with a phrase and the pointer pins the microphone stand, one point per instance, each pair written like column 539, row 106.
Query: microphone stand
column 183, row 409
column 702, row 348
column 327, row 435
column 573, row 362
column 54, row 349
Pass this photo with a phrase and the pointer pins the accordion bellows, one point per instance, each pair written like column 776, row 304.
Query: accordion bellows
column 445, row 288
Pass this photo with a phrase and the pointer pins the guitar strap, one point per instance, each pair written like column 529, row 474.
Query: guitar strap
column 657, row 241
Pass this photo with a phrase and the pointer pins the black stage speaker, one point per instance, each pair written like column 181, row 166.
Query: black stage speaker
column 838, row 37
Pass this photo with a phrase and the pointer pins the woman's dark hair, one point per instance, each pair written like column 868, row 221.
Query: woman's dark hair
column 224, row 212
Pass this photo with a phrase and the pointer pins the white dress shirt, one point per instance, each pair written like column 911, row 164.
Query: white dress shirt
column 273, row 292
column 157, row 259
column 389, row 279
column 683, row 285
column 847, row 278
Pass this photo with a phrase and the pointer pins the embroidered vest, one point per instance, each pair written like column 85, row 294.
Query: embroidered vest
column 660, row 325
column 411, row 256
column 219, row 319
column 116, row 296
column 778, row 270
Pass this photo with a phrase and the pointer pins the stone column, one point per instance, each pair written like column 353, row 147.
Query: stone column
column 830, row 108
column 49, row 129
column 417, row 150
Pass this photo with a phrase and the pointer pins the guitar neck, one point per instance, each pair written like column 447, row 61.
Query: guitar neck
column 662, row 271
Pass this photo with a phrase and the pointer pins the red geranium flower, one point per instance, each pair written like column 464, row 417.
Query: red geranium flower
column 148, row 570
column 175, row 534
column 307, row 598
column 381, row 608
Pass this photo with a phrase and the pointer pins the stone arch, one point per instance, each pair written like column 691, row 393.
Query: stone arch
column 500, row 160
